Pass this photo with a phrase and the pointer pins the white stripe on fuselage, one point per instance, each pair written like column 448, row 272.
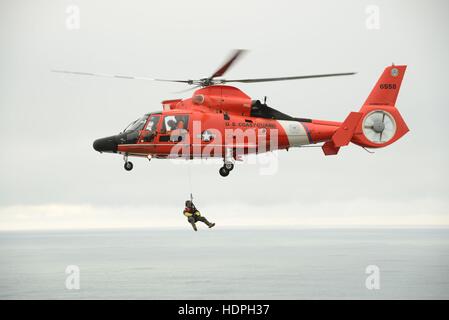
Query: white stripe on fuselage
column 296, row 133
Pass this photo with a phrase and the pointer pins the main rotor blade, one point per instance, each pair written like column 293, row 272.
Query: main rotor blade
column 289, row 78
column 236, row 54
column 188, row 89
column 119, row 76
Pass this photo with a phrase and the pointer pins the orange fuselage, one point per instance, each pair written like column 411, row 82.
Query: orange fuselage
column 227, row 114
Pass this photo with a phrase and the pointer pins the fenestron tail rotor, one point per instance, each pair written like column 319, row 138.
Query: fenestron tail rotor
column 379, row 127
column 212, row 80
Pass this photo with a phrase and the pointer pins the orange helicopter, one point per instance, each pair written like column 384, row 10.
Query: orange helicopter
column 221, row 121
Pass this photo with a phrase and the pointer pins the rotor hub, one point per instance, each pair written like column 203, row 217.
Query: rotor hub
column 378, row 126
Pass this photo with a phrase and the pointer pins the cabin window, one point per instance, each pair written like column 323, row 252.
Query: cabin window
column 175, row 122
column 174, row 128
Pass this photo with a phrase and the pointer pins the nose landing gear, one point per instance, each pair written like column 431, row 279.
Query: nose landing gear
column 128, row 164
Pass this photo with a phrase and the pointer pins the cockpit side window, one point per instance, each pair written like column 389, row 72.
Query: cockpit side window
column 152, row 123
column 136, row 125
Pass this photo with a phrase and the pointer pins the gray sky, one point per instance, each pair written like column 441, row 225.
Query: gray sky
column 52, row 178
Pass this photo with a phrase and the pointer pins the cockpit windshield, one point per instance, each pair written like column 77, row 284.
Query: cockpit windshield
column 137, row 125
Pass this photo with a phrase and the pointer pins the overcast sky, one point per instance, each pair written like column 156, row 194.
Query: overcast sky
column 52, row 178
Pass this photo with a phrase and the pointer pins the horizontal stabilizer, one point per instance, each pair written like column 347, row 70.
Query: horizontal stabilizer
column 343, row 135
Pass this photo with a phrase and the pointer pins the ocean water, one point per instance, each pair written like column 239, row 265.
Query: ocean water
column 226, row 264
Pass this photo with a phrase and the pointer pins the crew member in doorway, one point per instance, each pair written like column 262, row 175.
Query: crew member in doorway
column 193, row 215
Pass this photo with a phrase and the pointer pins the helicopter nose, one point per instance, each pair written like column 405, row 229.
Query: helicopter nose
column 107, row 144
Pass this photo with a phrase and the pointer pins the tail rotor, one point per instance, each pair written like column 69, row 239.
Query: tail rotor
column 379, row 126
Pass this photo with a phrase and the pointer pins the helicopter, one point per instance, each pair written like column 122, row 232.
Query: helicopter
column 221, row 121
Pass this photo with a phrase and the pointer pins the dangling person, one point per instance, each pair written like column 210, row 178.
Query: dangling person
column 193, row 215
